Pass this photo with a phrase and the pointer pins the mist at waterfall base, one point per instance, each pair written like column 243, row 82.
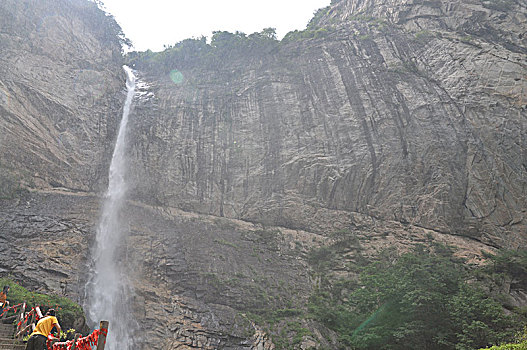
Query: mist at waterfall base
column 108, row 290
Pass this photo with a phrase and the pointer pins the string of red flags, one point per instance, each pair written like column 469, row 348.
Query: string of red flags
column 84, row 343
column 7, row 309
column 17, row 306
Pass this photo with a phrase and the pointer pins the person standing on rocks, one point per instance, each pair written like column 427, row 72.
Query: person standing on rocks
column 38, row 338
column 3, row 298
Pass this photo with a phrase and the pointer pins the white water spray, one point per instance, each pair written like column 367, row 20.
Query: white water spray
column 108, row 290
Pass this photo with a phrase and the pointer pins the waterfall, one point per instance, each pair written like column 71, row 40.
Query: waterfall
column 108, row 290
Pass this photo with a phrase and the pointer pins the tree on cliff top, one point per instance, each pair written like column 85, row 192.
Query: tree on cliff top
column 190, row 53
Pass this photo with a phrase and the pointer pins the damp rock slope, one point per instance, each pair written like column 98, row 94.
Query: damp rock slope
column 61, row 88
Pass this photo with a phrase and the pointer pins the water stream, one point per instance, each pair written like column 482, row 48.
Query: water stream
column 108, row 289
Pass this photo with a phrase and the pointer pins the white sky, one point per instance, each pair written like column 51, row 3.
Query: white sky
column 150, row 24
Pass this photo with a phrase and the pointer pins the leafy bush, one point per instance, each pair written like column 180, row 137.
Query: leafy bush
column 521, row 343
column 319, row 14
column 322, row 258
column 419, row 301
column 11, row 184
column 192, row 53
column 306, row 34
column 67, row 311
column 508, row 264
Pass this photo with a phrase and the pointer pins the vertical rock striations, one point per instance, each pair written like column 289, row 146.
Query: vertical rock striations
column 61, row 87
column 401, row 122
column 405, row 110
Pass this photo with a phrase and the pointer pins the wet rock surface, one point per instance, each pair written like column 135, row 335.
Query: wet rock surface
column 403, row 125
column 61, row 90
column 397, row 113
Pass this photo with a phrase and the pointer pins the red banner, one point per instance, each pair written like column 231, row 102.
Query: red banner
column 84, row 343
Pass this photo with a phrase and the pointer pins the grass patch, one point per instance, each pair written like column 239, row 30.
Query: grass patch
column 226, row 243
column 67, row 310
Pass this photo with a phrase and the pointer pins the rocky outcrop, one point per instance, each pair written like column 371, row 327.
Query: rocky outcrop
column 406, row 111
column 61, row 88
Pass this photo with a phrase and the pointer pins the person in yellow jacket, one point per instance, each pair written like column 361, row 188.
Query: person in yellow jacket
column 38, row 338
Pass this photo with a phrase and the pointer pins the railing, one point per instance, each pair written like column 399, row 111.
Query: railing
column 96, row 338
column 27, row 320
column 7, row 309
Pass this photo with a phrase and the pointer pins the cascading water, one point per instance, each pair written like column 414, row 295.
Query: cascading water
column 108, row 290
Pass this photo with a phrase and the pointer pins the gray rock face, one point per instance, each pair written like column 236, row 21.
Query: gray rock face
column 404, row 124
column 45, row 241
column 406, row 111
column 501, row 23
column 61, row 88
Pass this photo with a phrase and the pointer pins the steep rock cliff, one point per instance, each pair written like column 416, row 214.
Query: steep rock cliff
column 403, row 121
column 61, row 88
column 198, row 279
column 409, row 111
column 400, row 122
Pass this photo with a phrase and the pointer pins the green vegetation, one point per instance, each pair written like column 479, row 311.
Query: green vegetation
column 297, row 35
column 325, row 258
column 319, row 14
column 322, row 259
column 520, row 343
column 191, row 53
column 425, row 299
column 424, row 36
column 466, row 39
column 372, row 22
column 364, row 37
column 419, row 300
column 105, row 25
column 404, row 68
column 67, row 311
column 290, row 335
column 268, row 239
column 11, row 185
column 225, row 46
column 509, row 264
column 315, row 28
column 284, row 325
column 226, row 243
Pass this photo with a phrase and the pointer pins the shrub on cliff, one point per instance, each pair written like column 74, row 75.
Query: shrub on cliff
column 68, row 312
column 520, row 344
column 417, row 301
column 11, row 184
column 190, row 53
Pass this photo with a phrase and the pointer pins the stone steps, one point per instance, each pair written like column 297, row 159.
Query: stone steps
column 9, row 341
column 6, row 330
column 6, row 338
column 20, row 346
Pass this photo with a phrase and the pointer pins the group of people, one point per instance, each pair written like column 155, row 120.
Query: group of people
column 40, row 334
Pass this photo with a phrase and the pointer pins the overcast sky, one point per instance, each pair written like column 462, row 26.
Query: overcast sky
column 150, row 24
